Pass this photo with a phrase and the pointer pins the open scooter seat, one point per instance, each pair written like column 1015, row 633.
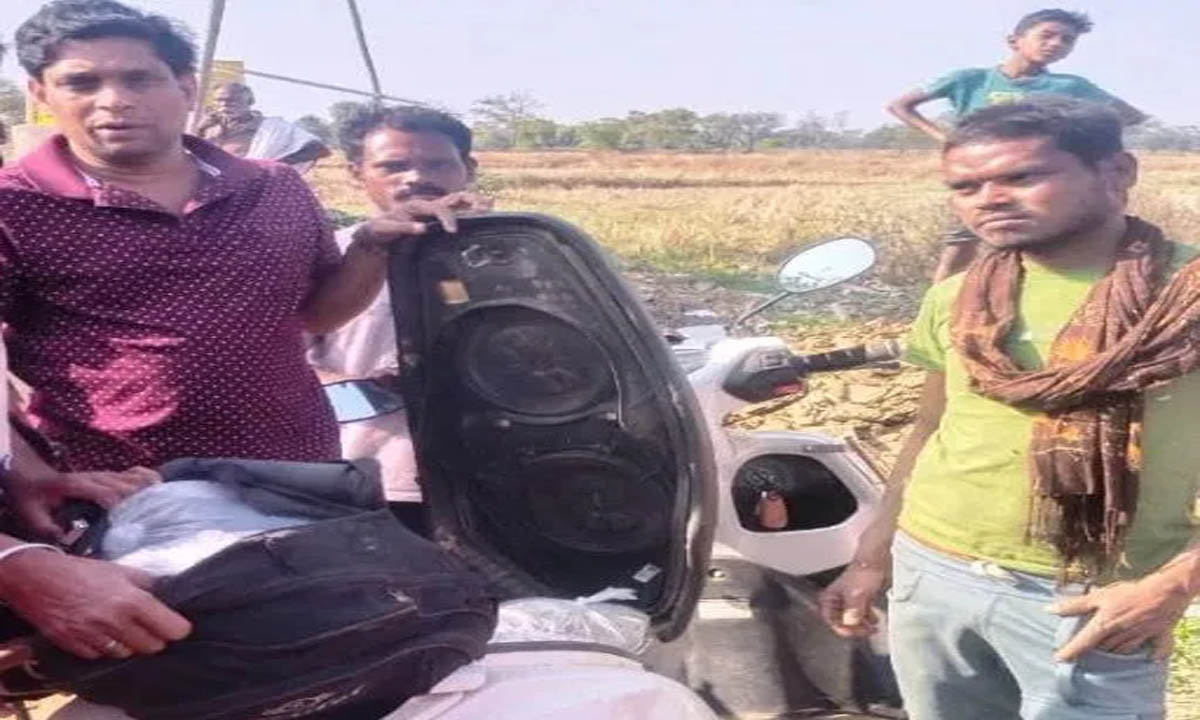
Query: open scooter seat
column 559, row 446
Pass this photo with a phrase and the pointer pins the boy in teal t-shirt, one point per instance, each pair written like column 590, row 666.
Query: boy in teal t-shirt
column 1039, row 39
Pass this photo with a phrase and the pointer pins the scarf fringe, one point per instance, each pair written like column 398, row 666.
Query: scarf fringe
column 1087, row 536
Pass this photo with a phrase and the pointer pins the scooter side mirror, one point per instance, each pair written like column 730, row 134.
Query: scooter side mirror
column 818, row 267
column 355, row 400
column 826, row 264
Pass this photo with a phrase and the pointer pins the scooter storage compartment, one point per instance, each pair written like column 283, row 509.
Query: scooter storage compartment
column 811, row 493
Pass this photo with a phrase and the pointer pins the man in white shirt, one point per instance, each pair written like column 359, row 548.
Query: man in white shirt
column 415, row 163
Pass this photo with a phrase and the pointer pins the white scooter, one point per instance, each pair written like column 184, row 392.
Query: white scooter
column 824, row 493
column 791, row 505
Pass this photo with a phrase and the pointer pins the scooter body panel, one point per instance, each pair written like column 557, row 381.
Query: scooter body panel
column 836, row 492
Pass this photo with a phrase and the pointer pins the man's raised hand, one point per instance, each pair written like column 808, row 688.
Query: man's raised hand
column 413, row 217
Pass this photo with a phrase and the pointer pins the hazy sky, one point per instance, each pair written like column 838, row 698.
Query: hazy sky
column 590, row 58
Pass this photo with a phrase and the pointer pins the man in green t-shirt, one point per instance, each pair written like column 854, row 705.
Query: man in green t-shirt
column 1039, row 39
column 1038, row 531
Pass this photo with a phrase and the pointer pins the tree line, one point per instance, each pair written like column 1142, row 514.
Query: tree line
column 515, row 122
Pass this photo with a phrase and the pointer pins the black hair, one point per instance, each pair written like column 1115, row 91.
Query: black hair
column 1080, row 21
column 40, row 37
column 362, row 120
column 1088, row 130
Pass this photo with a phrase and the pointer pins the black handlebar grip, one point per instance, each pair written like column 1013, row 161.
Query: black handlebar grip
column 846, row 358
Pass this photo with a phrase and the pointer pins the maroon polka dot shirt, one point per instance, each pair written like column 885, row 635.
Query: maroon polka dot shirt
column 149, row 336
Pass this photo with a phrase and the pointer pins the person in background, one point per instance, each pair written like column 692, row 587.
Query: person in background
column 1039, row 39
column 1038, row 528
column 411, row 162
column 237, row 128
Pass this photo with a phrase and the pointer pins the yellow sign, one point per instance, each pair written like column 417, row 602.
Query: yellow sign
column 35, row 114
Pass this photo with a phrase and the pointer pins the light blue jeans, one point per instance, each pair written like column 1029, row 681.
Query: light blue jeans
column 972, row 641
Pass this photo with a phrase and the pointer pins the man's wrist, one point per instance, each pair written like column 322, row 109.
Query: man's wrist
column 1181, row 576
column 23, row 564
column 873, row 556
column 364, row 244
column 26, row 477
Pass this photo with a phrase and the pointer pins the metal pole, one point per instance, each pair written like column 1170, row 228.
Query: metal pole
column 327, row 86
column 215, row 15
column 356, row 18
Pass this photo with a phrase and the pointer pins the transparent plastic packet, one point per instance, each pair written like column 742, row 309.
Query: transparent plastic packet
column 597, row 620
column 167, row 528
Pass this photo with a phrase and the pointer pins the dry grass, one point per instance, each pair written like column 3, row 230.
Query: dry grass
column 739, row 214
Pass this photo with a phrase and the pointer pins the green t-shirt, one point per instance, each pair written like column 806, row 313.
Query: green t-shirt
column 970, row 489
column 974, row 88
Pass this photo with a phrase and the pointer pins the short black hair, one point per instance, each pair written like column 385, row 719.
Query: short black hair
column 356, row 124
column 1088, row 130
column 40, row 37
column 1080, row 21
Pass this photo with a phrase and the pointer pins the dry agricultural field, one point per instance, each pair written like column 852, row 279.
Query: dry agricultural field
column 738, row 214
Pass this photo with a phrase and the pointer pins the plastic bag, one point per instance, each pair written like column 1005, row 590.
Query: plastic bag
column 587, row 620
column 167, row 528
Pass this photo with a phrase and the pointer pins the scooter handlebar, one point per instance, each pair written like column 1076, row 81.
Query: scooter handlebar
column 846, row 358
column 767, row 373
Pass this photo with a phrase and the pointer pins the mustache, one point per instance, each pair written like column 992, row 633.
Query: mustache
column 421, row 189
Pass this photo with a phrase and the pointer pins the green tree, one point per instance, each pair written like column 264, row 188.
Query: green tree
column 339, row 113
column 815, row 131
column 603, row 134
column 756, row 127
column 895, row 136
column 1156, row 135
column 718, row 131
column 502, row 119
column 672, row 129
column 536, row 133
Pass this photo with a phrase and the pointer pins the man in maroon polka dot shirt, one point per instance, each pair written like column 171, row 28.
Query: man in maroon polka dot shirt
column 155, row 288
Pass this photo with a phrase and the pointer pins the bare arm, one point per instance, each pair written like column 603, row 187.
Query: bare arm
column 349, row 291
column 905, row 108
column 874, row 547
column 846, row 605
column 363, row 271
